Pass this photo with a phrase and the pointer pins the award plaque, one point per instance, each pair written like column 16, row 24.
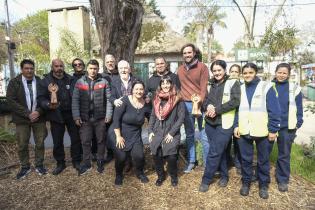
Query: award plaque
column 195, row 98
column 53, row 88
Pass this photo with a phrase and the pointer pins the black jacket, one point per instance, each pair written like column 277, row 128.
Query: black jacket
column 154, row 81
column 64, row 96
column 110, row 76
column 17, row 101
column 116, row 88
column 215, row 96
column 91, row 100
column 170, row 125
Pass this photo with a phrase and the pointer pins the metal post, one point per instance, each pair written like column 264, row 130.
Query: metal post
column 8, row 39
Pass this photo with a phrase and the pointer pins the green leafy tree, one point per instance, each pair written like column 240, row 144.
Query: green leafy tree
column 281, row 42
column 306, row 57
column 153, row 6
column 151, row 31
column 31, row 37
column 3, row 47
column 70, row 47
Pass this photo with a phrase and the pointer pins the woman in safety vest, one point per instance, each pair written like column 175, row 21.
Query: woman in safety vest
column 290, row 100
column 220, row 105
column 259, row 121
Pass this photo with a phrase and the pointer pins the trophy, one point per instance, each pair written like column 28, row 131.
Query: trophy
column 53, row 88
column 195, row 98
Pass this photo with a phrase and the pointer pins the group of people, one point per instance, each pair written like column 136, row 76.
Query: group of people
column 104, row 114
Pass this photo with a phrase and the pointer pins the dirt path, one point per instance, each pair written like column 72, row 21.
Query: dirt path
column 95, row 191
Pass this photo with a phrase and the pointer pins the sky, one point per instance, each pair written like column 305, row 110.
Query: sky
column 177, row 17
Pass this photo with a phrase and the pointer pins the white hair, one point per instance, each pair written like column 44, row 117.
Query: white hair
column 123, row 62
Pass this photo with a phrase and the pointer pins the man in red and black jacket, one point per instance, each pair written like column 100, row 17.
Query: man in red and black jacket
column 91, row 110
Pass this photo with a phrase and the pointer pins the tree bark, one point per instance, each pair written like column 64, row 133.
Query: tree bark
column 118, row 23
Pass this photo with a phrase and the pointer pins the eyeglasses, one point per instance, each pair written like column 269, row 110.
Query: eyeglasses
column 77, row 64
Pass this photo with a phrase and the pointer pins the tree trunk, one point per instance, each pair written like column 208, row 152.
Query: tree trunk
column 118, row 24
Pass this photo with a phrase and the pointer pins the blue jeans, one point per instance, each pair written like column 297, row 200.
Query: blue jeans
column 284, row 142
column 189, row 124
column 218, row 141
column 247, row 154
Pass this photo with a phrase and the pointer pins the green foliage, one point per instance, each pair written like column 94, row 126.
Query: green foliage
column 280, row 42
column 300, row 164
column 31, row 37
column 153, row 6
column 70, row 47
column 6, row 136
column 151, row 31
column 190, row 31
column 306, row 57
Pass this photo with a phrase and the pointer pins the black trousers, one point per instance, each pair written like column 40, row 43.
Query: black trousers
column 58, row 131
column 137, row 157
column 171, row 164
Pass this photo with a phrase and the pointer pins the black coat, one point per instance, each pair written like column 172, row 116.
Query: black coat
column 170, row 125
column 116, row 88
column 17, row 101
column 64, row 96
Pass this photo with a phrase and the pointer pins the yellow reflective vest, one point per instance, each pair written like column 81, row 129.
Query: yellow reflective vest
column 294, row 90
column 228, row 117
column 253, row 119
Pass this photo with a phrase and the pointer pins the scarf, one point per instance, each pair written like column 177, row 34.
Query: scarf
column 190, row 65
column 28, row 94
column 162, row 112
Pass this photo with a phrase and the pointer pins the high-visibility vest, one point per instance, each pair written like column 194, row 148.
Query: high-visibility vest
column 294, row 90
column 228, row 117
column 253, row 119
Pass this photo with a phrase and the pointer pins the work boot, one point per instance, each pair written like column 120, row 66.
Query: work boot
column 203, row 187
column 244, row 189
column 283, row 187
column 263, row 192
column 59, row 168
column 223, row 182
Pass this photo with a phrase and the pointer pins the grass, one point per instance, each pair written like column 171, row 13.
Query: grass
column 300, row 164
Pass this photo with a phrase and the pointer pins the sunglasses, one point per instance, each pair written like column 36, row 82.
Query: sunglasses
column 77, row 64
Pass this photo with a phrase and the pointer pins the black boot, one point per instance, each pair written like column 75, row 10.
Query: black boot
column 59, row 168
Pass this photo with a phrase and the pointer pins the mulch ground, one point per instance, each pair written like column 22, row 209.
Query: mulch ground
column 97, row 191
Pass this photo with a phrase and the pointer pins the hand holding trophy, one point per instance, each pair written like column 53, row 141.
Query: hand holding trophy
column 53, row 88
column 195, row 98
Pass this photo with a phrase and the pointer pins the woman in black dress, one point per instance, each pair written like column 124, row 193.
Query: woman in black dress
column 167, row 116
column 128, row 121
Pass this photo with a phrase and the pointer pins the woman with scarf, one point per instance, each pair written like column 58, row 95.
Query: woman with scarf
column 167, row 116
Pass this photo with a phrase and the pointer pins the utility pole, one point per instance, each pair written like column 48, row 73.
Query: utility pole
column 10, row 44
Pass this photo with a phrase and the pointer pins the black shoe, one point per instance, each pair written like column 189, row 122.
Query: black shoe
column 174, row 182
column 283, row 187
column 244, row 190
column 94, row 157
column 119, row 180
column 23, row 172
column 100, row 166
column 160, row 181
column 143, row 178
column 84, row 169
column 41, row 170
column 263, row 192
column 203, row 187
column 59, row 169
column 76, row 165
column 223, row 182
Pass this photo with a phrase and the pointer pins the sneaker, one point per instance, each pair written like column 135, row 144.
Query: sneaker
column 100, row 166
column 263, row 192
column 244, row 190
column 59, row 168
column 84, row 169
column 160, row 181
column 143, row 178
column 189, row 168
column 203, row 187
column 41, row 170
column 23, row 172
column 223, row 182
column 174, row 182
column 283, row 187
column 119, row 180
